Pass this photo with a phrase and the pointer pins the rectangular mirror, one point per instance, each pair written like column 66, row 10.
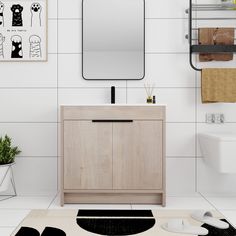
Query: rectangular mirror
column 113, row 40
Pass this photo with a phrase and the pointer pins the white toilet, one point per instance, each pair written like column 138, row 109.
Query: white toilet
column 219, row 151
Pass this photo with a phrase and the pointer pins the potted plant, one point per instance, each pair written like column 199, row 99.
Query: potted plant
column 7, row 159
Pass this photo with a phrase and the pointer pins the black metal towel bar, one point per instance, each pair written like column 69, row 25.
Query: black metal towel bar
column 195, row 48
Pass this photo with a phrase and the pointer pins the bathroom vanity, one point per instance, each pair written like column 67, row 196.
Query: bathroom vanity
column 113, row 154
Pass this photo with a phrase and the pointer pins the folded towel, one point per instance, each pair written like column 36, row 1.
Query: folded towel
column 216, row 36
column 218, row 85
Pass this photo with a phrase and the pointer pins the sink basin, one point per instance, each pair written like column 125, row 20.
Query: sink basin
column 219, row 151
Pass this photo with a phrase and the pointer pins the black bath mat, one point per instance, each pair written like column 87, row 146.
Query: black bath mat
column 115, row 222
column 50, row 231
column 115, row 213
column 27, row 231
column 220, row 232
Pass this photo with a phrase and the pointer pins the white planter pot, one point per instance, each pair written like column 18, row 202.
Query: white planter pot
column 5, row 176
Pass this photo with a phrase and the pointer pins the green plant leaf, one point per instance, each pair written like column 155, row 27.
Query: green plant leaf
column 7, row 151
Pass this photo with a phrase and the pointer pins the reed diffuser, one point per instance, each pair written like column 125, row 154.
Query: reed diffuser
column 149, row 90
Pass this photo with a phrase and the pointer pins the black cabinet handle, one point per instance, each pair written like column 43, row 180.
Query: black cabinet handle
column 110, row 121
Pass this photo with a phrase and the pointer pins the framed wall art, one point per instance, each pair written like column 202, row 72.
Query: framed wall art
column 23, row 30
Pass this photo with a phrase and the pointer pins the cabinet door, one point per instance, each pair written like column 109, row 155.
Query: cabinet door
column 137, row 155
column 87, row 155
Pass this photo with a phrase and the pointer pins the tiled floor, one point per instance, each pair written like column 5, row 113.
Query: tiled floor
column 13, row 211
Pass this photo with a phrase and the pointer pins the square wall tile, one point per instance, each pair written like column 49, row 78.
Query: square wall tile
column 180, row 139
column 52, row 8
column 35, row 175
column 71, row 10
column 167, row 70
column 30, row 74
column 33, row 139
column 70, row 74
column 90, row 96
column 52, row 36
column 166, row 36
column 212, row 182
column 70, row 36
column 180, row 176
column 28, row 105
column 166, row 9
column 179, row 102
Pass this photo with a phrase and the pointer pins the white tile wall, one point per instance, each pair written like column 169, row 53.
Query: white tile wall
column 167, row 70
column 28, row 105
column 90, row 96
column 27, row 74
column 180, row 176
column 213, row 183
column 180, row 139
column 36, row 175
column 52, row 36
column 166, row 9
column 69, row 36
column 166, row 36
column 34, row 139
column 72, row 10
column 30, row 95
column 179, row 101
column 52, row 9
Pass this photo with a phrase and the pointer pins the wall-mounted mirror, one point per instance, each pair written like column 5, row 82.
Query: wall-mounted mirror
column 113, row 39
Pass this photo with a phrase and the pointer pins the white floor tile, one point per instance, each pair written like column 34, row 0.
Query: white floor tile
column 27, row 202
column 12, row 218
column 56, row 205
column 179, row 203
column 6, row 231
column 230, row 216
column 223, row 203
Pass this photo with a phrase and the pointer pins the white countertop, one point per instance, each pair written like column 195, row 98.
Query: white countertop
column 89, row 105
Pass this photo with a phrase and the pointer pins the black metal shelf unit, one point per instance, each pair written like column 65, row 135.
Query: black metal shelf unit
column 196, row 48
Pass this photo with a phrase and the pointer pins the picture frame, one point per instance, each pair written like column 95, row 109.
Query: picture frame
column 23, row 30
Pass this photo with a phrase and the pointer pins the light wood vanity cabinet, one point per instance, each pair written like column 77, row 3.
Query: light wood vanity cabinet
column 113, row 154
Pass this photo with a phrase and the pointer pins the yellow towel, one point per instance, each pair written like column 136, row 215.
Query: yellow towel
column 218, row 85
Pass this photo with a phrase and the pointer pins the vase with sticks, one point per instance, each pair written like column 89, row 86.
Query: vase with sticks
column 149, row 90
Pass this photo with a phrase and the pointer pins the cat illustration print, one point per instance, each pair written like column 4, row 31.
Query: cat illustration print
column 36, row 10
column 2, row 39
column 16, row 51
column 35, row 46
column 17, row 15
column 1, row 14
